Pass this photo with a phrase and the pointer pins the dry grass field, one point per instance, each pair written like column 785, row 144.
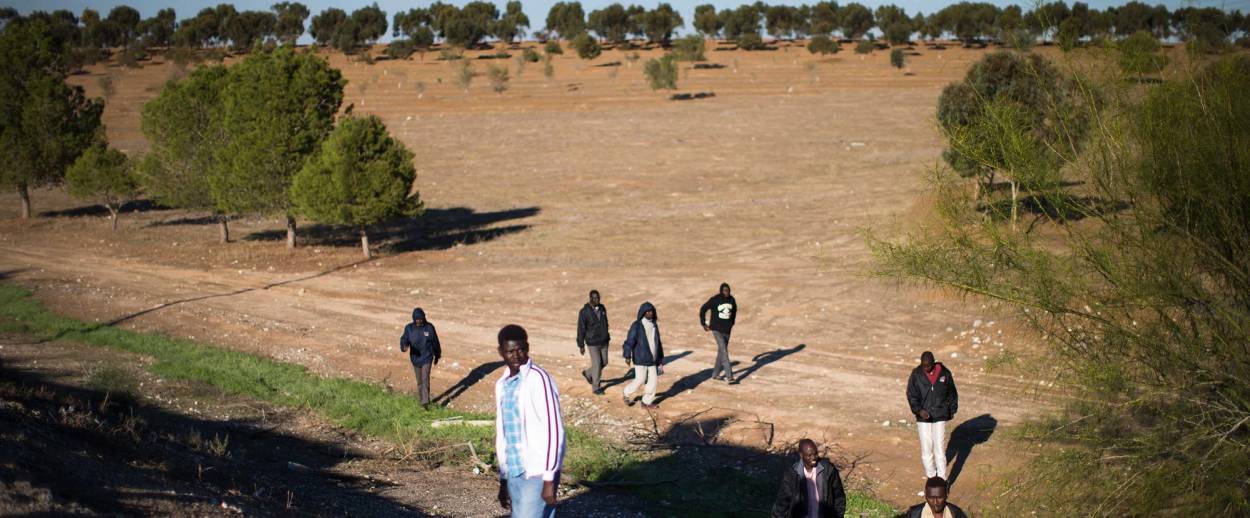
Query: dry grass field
column 591, row 180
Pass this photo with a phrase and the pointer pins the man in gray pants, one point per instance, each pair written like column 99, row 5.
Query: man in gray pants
column 592, row 333
column 724, row 310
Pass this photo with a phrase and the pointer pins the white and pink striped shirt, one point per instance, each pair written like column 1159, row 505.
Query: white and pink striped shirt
column 542, row 447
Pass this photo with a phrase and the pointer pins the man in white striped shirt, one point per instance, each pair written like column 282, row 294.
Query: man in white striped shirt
column 529, row 430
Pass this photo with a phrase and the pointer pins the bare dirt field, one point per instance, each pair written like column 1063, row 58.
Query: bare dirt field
column 591, row 180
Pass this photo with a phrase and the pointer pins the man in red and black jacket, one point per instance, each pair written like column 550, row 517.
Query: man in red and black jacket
column 933, row 399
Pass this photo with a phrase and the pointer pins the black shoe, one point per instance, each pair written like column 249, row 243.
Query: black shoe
column 629, row 401
column 597, row 392
column 718, row 378
column 587, row 376
column 731, row 381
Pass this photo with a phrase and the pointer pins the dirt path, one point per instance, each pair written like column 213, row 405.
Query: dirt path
column 534, row 198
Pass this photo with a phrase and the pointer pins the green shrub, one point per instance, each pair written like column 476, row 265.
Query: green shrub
column 553, row 47
column 689, row 48
column 897, row 58
column 865, row 46
column 751, row 41
column 823, row 45
column 1139, row 54
column 531, row 55
column 586, row 46
column 498, row 77
column 463, row 73
column 661, row 73
column 400, row 49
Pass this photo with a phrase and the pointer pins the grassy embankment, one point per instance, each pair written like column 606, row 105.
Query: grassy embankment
column 372, row 410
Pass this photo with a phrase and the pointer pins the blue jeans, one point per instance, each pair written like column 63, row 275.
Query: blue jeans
column 527, row 498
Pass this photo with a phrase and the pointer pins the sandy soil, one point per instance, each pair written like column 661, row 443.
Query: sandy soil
column 587, row 181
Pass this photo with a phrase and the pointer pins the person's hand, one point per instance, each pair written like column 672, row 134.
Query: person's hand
column 659, row 370
column 706, row 328
column 549, row 492
column 403, row 349
column 436, row 358
column 581, row 350
column 924, row 414
column 629, row 362
column 505, row 500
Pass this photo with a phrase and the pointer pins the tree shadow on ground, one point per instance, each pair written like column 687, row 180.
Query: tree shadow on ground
column 766, row 358
column 109, row 453
column 695, row 472
column 190, row 221
column 965, row 436
column 477, row 374
column 436, row 229
column 99, row 210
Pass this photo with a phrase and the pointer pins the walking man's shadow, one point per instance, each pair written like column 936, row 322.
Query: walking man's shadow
column 766, row 358
column 965, row 436
column 470, row 379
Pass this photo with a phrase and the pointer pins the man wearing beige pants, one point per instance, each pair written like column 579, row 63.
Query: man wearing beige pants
column 645, row 351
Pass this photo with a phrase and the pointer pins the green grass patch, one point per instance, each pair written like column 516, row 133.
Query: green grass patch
column 394, row 417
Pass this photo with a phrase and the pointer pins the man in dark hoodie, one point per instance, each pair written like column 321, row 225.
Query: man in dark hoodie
column 935, row 504
column 724, row 310
column 811, row 488
column 592, row 332
column 420, row 341
column 645, row 351
column 933, row 399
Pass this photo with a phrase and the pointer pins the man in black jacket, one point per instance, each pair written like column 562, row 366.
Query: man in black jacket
column 933, row 399
column 811, row 488
column 420, row 341
column 592, row 333
column 935, row 504
column 724, row 310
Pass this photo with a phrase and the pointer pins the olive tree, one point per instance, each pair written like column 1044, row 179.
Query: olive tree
column 105, row 176
column 276, row 109
column 290, row 23
column 567, row 19
column 359, row 176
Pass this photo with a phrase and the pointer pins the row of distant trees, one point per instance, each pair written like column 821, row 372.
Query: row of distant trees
column 262, row 137
column 479, row 21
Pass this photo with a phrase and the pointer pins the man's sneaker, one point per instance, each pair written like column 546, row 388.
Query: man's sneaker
column 587, row 376
column 718, row 378
column 731, row 381
column 629, row 401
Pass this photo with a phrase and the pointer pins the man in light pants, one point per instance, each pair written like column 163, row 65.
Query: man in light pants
column 933, row 399
column 724, row 311
column 645, row 351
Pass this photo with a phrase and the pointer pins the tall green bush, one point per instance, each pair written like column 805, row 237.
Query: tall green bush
column 360, row 176
column 586, row 46
column 661, row 73
column 822, row 44
column 689, row 48
column 182, row 125
column 277, row 107
column 44, row 122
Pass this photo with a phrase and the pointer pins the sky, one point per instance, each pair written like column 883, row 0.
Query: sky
column 535, row 9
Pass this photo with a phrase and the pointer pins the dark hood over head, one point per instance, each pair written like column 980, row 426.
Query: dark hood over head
column 647, row 306
column 723, row 285
column 418, row 313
